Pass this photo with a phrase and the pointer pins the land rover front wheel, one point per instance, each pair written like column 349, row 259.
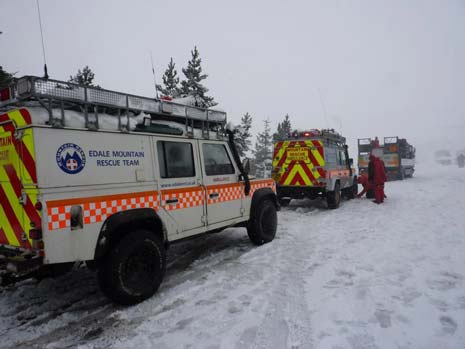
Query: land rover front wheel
column 133, row 269
column 333, row 198
column 262, row 226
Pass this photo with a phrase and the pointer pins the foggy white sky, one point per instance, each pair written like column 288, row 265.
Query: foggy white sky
column 383, row 67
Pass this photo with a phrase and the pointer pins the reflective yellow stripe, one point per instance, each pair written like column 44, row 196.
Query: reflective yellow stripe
column 15, row 160
column 281, row 152
column 13, row 200
column 297, row 168
column 10, row 235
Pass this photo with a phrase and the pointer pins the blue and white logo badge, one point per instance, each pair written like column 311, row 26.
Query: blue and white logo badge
column 71, row 158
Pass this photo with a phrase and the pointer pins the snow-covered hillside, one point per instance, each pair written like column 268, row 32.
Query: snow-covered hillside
column 362, row 276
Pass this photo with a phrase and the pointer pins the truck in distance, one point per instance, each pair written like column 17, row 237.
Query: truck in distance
column 397, row 154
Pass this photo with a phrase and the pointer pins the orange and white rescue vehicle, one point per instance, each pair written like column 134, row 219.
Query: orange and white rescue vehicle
column 111, row 179
column 313, row 163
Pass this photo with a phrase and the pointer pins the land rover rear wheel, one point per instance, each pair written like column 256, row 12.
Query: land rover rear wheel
column 262, row 226
column 333, row 198
column 352, row 191
column 133, row 270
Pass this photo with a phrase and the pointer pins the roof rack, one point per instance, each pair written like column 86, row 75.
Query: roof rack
column 94, row 100
column 333, row 136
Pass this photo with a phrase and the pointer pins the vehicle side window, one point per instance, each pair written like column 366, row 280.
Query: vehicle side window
column 330, row 155
column 217, row 161
column 342, row 158
column 176, row 159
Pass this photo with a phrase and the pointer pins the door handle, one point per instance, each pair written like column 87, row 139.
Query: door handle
column 172, row 201
column 214, row 195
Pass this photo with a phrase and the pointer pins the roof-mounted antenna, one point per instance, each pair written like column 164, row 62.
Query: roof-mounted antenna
column 323, row 106
column 42, row 37
column 154, row 79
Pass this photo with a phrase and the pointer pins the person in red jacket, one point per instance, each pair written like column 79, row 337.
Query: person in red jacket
column 379, row 178
column 363, row 180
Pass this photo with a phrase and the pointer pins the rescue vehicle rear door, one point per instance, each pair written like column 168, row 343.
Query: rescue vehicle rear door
column 224, row 192
column 18, row 179
column 182, row 193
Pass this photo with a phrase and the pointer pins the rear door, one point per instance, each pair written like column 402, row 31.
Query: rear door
column 298, row 163
column 224, row 192
column 18, row 179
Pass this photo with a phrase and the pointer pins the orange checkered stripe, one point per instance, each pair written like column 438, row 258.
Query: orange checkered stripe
column 186, row 198
column 226, row 192
column 258, row 184
column 97, row 209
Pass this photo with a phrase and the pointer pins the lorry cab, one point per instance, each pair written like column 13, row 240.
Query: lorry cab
column 397, row 154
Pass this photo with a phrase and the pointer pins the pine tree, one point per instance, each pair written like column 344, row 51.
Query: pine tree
column 283, row 130
column 263, row 152
column 243, row 135
column 5, row 77
column 192, row 85
column 84, row 77
column 170, row 81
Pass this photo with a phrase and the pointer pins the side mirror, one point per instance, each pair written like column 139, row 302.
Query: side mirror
column 246, row 165
column 351, row 161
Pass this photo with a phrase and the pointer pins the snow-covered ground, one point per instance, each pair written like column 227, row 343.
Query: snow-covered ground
column 362, row 276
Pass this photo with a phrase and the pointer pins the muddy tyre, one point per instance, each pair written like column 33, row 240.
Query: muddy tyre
column 262, row 226
column 352, row 191
column 133, row 269
column 333, row 198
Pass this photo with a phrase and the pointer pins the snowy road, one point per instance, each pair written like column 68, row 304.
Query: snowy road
column 362, row 276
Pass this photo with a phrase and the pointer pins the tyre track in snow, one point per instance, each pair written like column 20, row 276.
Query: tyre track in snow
column 286, row 322
column 223, row 298
column 70, row 310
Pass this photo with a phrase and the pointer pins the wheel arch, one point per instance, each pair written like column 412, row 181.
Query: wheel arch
column 119, row 224
column 332, row 184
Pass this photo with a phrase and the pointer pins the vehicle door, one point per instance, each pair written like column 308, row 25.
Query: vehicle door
column 343, row 171
column 224, row 192
column 182, row 195
column 18, row 179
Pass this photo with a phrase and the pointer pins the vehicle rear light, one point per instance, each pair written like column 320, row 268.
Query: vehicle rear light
column 35, row 234
column 5, row 94
column 38, row 206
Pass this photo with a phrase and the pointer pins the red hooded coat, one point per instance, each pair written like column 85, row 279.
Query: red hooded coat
column 379, row 175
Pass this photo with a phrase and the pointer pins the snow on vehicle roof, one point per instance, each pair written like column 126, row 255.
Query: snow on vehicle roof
column 107, row 122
